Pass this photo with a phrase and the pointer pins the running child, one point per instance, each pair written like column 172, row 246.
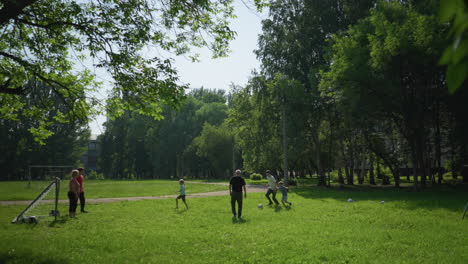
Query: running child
column 284, row 192
column 182, row 194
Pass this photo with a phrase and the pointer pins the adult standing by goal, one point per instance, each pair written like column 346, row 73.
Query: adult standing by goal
column 80, row 180
column 73, row 193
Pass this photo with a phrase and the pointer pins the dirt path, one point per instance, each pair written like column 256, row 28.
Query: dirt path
column 250, row 189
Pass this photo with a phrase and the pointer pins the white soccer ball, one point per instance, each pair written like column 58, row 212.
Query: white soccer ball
column 350, row 200
column 260, row 206
column 382, row 202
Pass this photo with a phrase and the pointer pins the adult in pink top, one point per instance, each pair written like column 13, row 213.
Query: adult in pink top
column 80, row 180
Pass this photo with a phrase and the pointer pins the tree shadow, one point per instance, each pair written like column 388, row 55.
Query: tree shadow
column 14, row 257
column 446, row 197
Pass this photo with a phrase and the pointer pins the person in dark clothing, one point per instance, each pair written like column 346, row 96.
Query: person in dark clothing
column 236, row 184
column 80, row 180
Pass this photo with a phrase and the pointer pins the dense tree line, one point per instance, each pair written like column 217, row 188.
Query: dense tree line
column 351, row 86
column 193, row 140
column 46, row 40
column 359, row 88
column 346, row 86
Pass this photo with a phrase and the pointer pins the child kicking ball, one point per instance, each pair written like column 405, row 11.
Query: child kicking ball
column 284, row 192
column 181, row 195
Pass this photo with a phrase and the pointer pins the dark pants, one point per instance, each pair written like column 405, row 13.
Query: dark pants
column 236, row 197
column 270, row 191
column 181, row 197
column 82, row 201
column 73, row 202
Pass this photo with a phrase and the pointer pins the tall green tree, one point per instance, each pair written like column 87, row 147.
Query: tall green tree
column 44, row 39
column 65, row 142
column 294, row 44
column 387, row 66
column 135, row 145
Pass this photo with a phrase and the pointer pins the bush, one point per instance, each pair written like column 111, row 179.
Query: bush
column 93, row 175
column 255, row 176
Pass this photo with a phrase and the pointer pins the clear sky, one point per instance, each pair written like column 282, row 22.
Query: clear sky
column 217, row 73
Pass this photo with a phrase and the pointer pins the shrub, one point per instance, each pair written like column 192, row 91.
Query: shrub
column 93, row 175
column 255, row 176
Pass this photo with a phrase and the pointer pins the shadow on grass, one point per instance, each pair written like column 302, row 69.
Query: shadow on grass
column 446, row 197
column 278, row 208
column 181, row 211
column 60, row 221
column 14, row 257
column 239, row 220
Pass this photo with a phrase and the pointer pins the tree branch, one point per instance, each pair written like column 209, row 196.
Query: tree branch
column 12, row 9
column 5, row 89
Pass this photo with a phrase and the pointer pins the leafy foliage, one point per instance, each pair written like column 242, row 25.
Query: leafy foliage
column 456, row 54
column 255, row 176
column 188, row 142
column 22, row 145
column 44, row 39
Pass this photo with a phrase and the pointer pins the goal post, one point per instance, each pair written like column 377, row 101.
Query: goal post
column 44, row 207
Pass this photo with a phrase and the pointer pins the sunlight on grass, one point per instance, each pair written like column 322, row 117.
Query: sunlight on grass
column 321, row 226
column 19, row 190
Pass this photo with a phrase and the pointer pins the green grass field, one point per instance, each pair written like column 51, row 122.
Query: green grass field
column 321, row 227
column 19, row 190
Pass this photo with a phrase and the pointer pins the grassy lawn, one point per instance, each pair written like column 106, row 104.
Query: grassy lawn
column 321, row 227
column 19, row 190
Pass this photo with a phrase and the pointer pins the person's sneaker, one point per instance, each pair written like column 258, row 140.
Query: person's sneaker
column 84, row 211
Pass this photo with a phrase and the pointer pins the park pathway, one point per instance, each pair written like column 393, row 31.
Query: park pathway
column 250, row 189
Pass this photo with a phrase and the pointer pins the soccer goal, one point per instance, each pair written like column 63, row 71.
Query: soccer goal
column 45, row 205
column 42, row 172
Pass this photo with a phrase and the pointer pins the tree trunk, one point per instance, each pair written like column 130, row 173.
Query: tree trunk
column 465, row 173
column 396, row 176
column 321, row 174
column 452, row 161
column 285, row 146
column 351, row 169
column 345, row 161
column 361, row 174
column 371, row 169
column 233, row 156
column 407, row 172
column 340, row 176
column 415, row 165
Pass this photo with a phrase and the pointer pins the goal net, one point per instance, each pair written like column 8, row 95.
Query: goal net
column 45, row 204
column 44, row 172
